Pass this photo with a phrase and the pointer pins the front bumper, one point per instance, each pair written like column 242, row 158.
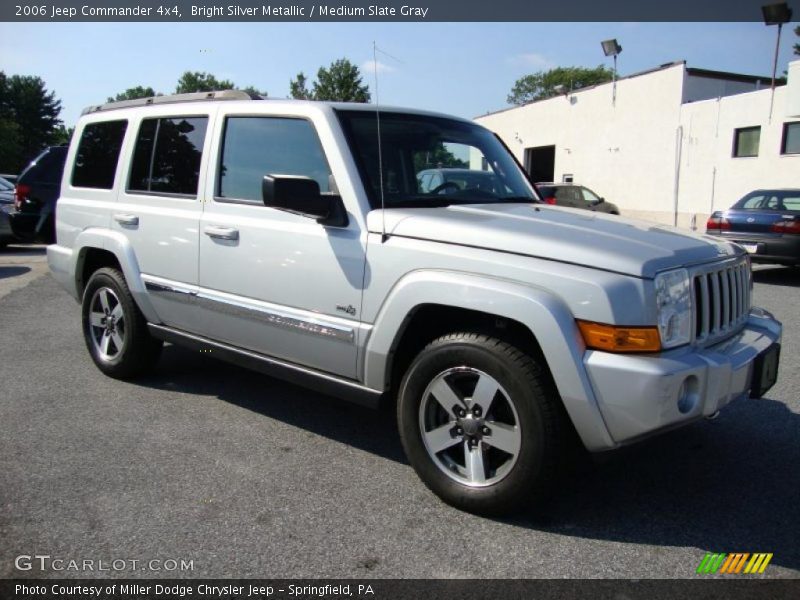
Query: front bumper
column 642, row 394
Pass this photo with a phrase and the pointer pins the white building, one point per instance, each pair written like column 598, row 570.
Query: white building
column 670, row 145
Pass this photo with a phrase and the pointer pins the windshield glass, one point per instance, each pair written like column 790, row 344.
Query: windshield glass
column 432, row 161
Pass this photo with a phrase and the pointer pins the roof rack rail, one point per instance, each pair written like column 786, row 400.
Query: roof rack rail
column 171, row 99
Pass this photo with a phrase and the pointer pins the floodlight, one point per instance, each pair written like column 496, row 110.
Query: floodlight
column 776, row 14
column 611, row 47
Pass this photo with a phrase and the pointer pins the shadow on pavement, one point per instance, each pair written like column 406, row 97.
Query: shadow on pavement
column 23, row 250
column 12, row 271
column 728, row 485
column 191, row 372
column 777, row 275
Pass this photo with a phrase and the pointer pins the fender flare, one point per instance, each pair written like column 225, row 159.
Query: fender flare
column 546, row 316
column 120, row 247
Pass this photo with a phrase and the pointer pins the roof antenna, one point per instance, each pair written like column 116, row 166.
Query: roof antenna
column 380, row 154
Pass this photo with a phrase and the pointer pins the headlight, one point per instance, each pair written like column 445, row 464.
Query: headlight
column 674, row 301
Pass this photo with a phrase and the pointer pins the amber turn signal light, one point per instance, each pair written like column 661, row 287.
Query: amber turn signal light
column 620, row 339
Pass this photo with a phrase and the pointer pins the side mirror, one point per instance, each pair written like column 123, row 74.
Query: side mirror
column 301, row 195
column 600, row 200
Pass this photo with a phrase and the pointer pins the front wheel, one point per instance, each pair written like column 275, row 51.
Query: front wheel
column 114, row 328
column 480, row 424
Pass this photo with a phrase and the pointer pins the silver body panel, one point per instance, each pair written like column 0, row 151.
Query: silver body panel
column 279, row 290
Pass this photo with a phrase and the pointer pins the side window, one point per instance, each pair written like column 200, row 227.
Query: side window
column 166, row 158
column 589, row 197
column 791, row 202
column 564, row 195
column 98, row 154
column 257, row 146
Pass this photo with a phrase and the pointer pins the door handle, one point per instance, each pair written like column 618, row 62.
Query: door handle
column 124, row 219
column 221, row 233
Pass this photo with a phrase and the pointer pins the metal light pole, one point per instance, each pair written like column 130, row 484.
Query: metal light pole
column 612, row 48
column 775, row 14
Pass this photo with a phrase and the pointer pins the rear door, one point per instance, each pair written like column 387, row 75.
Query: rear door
column 159, row 207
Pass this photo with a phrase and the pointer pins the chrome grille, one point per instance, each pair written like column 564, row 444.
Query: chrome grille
column 721, row 300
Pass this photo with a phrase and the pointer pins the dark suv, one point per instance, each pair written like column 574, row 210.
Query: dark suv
column 574, row 196
column 38, row 188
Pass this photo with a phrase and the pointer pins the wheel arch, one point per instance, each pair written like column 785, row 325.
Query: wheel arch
column 97, row 248
column 426, row 304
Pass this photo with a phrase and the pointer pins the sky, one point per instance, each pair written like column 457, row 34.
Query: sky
column 465, row 69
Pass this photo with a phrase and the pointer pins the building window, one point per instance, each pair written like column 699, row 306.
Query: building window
column 166, row 159
column 791, row 138
column 745, row 141
column 98, row 153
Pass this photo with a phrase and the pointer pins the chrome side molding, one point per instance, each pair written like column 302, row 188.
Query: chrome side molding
column 342, row 330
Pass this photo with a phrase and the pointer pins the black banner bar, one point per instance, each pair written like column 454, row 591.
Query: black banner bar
column 386, row 11
column 381, row 589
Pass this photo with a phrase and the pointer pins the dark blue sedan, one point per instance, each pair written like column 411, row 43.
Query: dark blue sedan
column 766, row 223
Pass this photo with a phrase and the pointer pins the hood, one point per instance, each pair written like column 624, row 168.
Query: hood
column 575, row 236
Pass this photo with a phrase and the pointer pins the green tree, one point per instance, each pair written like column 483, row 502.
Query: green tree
column 9, row 131
column 29, row 117
column 255, row 91
column 10, row 159
column 298, row 88
column 63, row 135
column 134, row 93
column 542, row 84
column 340, row 82
column 198, row 81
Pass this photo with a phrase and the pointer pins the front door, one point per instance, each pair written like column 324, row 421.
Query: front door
column 272, row 281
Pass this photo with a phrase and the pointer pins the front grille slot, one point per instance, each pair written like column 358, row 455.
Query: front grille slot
column 721, row 300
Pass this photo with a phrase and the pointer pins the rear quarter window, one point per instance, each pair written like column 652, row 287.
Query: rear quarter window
column 98, row 154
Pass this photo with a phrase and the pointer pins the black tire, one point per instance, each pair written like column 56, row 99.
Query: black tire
column 529, row 479
column 138, row 352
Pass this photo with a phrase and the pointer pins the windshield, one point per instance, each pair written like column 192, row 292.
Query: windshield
column 432, row 161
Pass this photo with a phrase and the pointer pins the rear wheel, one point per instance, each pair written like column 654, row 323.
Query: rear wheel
column 114, row 329
column 480, row 424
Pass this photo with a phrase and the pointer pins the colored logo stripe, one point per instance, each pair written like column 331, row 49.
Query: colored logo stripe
column 734, row 563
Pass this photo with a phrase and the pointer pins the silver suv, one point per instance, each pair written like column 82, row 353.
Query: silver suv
column 296, row 238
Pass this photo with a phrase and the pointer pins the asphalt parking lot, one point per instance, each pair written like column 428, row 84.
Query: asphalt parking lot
column 248, row 476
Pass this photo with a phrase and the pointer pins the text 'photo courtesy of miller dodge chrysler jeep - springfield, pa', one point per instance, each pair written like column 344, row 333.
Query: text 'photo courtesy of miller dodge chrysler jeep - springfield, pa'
column 295, row 238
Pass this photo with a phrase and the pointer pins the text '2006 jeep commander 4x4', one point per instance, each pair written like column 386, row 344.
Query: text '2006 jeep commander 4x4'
column 296, row 238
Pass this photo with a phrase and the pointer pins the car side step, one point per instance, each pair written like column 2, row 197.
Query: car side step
column 318, row 381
